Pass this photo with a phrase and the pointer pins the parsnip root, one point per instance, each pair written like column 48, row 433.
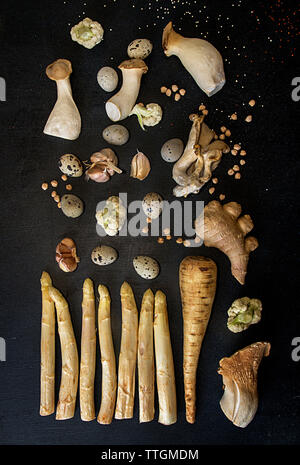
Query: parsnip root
column 146, row 359
column 165, row 376
column 128, row 354
column 197, row 280
column 47, row 393
column 108, row 359
column 69, row 376
column 88, row 353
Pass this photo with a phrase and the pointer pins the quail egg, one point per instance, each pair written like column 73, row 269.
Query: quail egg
column 104, row 255
column 115, row 134
column 107, row 78
column 70, row 165
column 172, row 150
column 152, row 205
column 139, row 48
column 146, row 267
column 71, row 205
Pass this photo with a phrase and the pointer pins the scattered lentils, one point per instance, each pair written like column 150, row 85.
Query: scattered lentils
column 237, row 176
column 211, row 190
column 54, row 183
column 252, row 103
column 44, row 186
column 248, row 119
column 69, row 187
column 222, row 196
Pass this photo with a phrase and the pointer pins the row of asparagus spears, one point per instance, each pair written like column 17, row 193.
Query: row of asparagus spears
column 145, row 342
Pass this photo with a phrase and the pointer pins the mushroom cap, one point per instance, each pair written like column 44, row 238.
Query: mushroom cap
column 59, row 70
column 134, row 63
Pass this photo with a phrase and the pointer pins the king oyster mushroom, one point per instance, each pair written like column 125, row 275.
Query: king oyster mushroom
column 64, row 120
column 199, row 57
column 120, row 105
column 240, row 399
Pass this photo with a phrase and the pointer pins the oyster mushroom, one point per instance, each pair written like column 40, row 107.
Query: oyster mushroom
column 120, row 105
column 64, row 120
column 240, row 399
column 104, row 165
column 199, row 159
column 199, row 57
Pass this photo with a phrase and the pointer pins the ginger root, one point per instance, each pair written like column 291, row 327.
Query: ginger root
column 199, row 159
column 225, row 229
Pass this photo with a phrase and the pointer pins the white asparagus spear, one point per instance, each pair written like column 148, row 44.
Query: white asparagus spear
column 128, row 353
column 108, row 359
column 146, row 359
column 88, row 353
column 69, row 375
column 164, row 362
column 47, row 393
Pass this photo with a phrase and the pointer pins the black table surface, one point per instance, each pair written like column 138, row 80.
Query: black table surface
column 258, row 43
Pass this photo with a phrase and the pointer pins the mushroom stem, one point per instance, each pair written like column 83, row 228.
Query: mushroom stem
column 120, row 105
column 199, row 57
column 64, row 120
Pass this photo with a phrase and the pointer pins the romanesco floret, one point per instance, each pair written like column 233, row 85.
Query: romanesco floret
column 243, row 313
column 148, row 115
column 87, row 33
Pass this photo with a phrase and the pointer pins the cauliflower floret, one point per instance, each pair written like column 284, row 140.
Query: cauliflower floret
column 149, row 115
column 243, row 313
column 112, row 216
column 87, row 33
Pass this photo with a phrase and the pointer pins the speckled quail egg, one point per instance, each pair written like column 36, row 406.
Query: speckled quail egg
column 146, row 267
column 71, row 205
column 104, row 255
column 115, row 134
column 107, row 78
column 172, row 150
column 139, row 48
column 152, row 205
column 70, row 165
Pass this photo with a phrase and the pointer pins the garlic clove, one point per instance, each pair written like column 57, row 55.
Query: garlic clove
column 140, row 166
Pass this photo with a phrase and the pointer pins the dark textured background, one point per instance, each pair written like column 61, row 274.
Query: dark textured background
column 257, row 41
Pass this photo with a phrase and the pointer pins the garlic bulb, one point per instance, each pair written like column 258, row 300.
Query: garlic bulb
column 140, row 166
